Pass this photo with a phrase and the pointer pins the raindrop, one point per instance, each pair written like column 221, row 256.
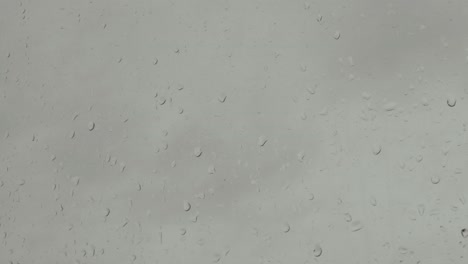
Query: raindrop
column 348, row 217
column 464, row 233
column 52, row 157
column 173, row 164
column 376, row 149
column 161, row 100
column 222, row 98
column 75, row 180
column 106, row 212
column 373, row 201
column 319, row 18
column 155, row 61
column 421, row 209
column 91, row 126
column 286, row 228
column 451, row 101
column 262, row 141
column 211, row 169
column 337, row 35
column 311, row 90
column 183, row 231
column 356, row 226
column 187, row 206
column 197, row 152
column 435, row 179
column 300, row 156
column 389, row 106
column 180, row 110
column 317, row 251
column 71, row 134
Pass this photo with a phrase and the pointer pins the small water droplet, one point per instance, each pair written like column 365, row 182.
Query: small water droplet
column 71, row 135
column 173, row 164
column 161, row 100
column 197, row 152
column 435, row 179
column 262, row 141
column 348, row 217
column 106, row 212
column 373, row 201
column 75, row 180
column 211, row 169
column 286, row 228
column 183, row 231
column 319, row 18
column 317, row 251
column 464, row 233
column 187, row 206
column 337, row 35
column 222, row 98
column 52, row 157
column 451, row 101
column 376, row 149
column 389, row 106
column 300, row 156
column 91, row 126
column 421, row 209
column 356, row 226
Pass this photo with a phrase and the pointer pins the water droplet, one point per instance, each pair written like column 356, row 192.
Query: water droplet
column 155, row 61
column 173, row 164
column 419, row 158
column 300, row 156
column 183, row 231
column 317, row 251
column 180, row 110
column 303, row 116
column 311, row 90
column 451, row 101
column 262, row 141
column 464, row 233
column 75, row 180
column 286, row 228
column 161, row 100
column 197, row 152
column 421, row 209
column 376, row 149
column 366, row 96
column 373, row 201
column 194, row 218
column 52, row 157
column 222, row 98
column 187, row 206
column 435, row 179
column 211, row 169
column 337, row 35
column 71, row 135
column 319, row 18
column 348, row 217
column 389, row 106
column 356, row 226
column 106, row 212
column 122, row 166
column 91, row 126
